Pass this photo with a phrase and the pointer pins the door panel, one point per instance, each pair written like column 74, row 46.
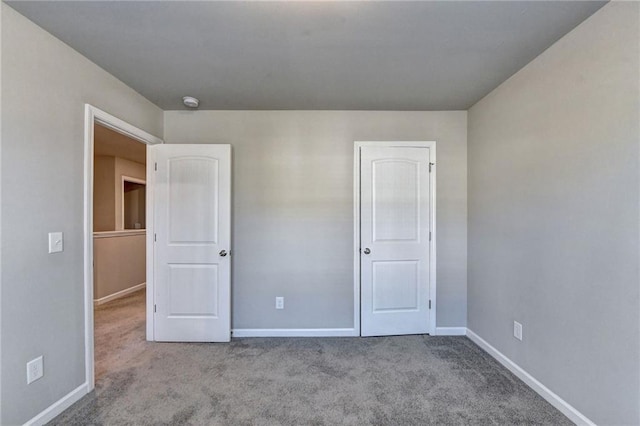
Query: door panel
column 396, row 208
column 395, row 286
column 394, row 240
column 192, row 226
column 193, row 200
column 193, row 290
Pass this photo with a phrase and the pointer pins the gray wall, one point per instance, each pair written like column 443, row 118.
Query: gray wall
column 1, row 19
column 45, row 87
column 553, row 216
column 293, row 207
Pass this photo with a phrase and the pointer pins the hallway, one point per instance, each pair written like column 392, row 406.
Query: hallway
column 119, row 333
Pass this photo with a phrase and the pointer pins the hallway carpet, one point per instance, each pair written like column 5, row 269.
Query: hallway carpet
column 118, row 332
column 405, row 380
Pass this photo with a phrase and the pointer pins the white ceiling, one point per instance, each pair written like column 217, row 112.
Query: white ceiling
column 394, row 55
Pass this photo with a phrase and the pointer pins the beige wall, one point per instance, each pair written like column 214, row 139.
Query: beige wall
column 554, row 219
column 43, row 149
column 119, row 263
column 125, row 168
column 104, row 197
column 293, row 207
column 107, row 196
column 135, row 205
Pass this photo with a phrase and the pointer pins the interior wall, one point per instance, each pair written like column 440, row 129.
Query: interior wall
column 1, row 9
column 119, row 263
column 135, row 208
column 554, row 216
column 108, row 192
column 43, row 149
column 128, row 168
column 104, row 196
column 292, row 207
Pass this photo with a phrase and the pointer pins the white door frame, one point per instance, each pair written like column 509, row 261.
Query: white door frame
column 94, row 115
column 356, row 228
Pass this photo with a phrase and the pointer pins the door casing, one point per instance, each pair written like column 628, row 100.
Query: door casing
column 94, row 115
column 356, row 228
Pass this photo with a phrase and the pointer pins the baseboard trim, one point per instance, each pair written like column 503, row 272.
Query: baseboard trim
column 119, row 294
column 563, row 406
column 451, row 331
column 58, row 407
column 294, row 332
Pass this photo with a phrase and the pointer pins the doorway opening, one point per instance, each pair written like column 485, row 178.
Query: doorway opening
column 119, row 252
column 117, row 244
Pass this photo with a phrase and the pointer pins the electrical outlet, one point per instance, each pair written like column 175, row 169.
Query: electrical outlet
column 279, row 302
column 35, row 370
column 517, row 330
column 56, row 242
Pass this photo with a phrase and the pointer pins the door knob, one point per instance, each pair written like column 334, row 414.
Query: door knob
column 223, row 253
column 367, row 251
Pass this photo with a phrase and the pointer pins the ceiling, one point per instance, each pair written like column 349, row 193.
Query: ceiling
column 113, row 144
column 367, row 55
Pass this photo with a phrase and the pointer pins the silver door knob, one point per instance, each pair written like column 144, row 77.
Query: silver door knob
column 223, row 253
column 367, row 251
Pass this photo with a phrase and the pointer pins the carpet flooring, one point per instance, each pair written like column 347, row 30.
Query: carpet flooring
column 119, row 329
column 404, row 380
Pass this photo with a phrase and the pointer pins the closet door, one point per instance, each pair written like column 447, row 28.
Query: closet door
column 394, row 240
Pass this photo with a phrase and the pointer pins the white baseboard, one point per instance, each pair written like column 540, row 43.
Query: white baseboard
column 119, row 294
column 563, row 406
column 58, row 407
column 295, row 332
column 451, row 331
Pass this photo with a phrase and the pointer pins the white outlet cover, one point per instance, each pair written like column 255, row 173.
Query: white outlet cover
column 56, row 242
column 517, row 330
column 35, row 370
column 279, row 302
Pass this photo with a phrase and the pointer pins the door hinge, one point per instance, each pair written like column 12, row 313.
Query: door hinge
column 431, row 164
column 154, row 309
column 155, row 167
column 155, row 238
column 429, row 303
column 429, row 235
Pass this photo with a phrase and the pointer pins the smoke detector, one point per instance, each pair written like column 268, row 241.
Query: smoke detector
column 190, row 102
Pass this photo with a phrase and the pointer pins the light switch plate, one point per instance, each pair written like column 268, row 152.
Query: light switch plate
column 56, row 243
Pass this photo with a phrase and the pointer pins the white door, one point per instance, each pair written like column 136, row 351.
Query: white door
column 395, row 217
column 192, row 248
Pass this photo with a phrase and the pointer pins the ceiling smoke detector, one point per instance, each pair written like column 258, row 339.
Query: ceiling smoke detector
column 190, row 102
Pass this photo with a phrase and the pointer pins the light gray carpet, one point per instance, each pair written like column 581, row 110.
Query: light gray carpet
column 407, row 380
column 119, row 328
